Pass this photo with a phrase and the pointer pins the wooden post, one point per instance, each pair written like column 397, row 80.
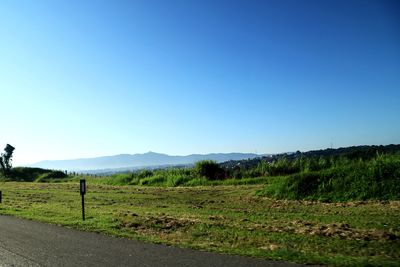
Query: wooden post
column 83, row 192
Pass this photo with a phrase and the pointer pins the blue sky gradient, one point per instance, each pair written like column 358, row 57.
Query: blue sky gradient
column 93, row 78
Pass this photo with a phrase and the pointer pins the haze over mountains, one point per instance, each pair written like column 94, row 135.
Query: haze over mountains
column 149, row 159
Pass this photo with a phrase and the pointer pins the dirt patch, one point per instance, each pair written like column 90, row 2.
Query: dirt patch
column 270, row 247
column 161, row 223
column 217, row 217
column 395, row 204
column 341, row 230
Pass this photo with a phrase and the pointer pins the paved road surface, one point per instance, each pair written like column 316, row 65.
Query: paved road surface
column 28, row 243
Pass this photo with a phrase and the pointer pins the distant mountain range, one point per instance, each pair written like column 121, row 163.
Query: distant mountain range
column 135, row 161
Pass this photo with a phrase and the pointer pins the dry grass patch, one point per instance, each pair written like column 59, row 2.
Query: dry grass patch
column 230, row 219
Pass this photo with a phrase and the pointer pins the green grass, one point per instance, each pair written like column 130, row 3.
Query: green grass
column 378, row 179
column 325, row 178
column 222, row 218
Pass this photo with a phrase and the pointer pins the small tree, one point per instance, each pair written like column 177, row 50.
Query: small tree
column 209, row 169
column 6, row 158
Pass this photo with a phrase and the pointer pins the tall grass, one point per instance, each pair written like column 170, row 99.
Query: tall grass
column 378, row 178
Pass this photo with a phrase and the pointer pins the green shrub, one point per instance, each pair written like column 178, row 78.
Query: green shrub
column 199, row 181
column 144, row 173
column 24, row 174
column 51, row 176
column 120, row 179
column 134, row 181
column 209, row 169
column 177, row 180
column 157, row 179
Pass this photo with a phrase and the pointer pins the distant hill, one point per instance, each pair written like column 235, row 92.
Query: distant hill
column 150, row 159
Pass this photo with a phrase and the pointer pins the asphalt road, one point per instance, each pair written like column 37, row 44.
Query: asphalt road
column 28, row 243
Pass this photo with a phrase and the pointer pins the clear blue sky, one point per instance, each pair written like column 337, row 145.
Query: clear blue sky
column 93, row 78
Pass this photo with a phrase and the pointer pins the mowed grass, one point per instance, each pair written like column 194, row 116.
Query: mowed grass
column 229, row 219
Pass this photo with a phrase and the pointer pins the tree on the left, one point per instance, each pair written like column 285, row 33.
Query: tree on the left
column 6, row 158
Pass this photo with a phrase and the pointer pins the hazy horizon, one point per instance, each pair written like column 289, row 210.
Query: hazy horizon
column 183, row 155
column 83, row 79
column 148, row 152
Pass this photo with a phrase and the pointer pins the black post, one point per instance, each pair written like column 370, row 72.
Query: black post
column 83, row 207
column 0, row 196
column 83, row 192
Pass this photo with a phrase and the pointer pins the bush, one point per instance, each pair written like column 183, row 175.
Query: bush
column 24, row 174
column 209, row 169
column 144, row 173
column 177, row 180
column 156, row 179
column 200, row 181
column 51, row 176
column 120, row 179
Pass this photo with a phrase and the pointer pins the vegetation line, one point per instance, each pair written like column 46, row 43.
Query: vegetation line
column 354, row 173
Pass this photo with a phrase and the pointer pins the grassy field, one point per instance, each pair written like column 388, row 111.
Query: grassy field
column 230, row 219
column 368, row 176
